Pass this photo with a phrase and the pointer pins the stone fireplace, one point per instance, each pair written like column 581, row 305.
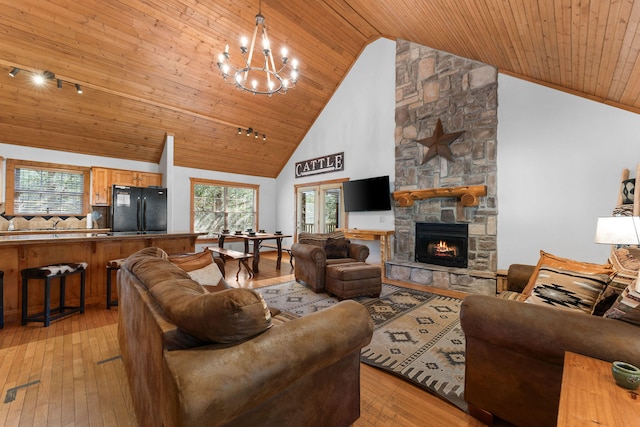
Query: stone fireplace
column 462, row 94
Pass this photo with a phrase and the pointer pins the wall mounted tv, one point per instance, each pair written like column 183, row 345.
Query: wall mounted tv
column 370, row 194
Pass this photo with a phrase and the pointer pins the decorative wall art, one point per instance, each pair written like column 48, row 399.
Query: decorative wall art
column 438, row 143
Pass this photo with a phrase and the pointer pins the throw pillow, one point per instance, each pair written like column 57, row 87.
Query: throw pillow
column 336, row 248
column 318, row 239
column 627, row 305
column 567, row 289
column 560, row 263
column 190, row 262
column 626, row 264
column 208, row 276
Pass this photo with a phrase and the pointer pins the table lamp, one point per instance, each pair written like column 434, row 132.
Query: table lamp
column 618, row 230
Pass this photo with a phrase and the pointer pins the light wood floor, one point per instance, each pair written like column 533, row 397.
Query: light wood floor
column 71, row 374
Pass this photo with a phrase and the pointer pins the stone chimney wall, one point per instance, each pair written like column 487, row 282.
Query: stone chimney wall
column 462, row 93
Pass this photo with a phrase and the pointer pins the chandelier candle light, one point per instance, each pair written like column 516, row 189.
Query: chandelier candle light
column 263, row 79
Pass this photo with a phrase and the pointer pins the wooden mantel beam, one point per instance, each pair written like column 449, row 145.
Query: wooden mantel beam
column 468, row 195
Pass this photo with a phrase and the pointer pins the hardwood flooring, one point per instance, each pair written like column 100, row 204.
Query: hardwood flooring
column 71, row 374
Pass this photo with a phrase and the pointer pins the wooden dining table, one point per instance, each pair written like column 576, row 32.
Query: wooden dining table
column 257, row 240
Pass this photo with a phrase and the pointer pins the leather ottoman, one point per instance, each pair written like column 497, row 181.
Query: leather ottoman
column 353, row 279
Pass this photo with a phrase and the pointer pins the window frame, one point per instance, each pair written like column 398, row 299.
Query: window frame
column 10, row 186
column 217, row 183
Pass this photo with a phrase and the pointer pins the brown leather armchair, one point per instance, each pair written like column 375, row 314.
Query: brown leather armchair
column 311, row 260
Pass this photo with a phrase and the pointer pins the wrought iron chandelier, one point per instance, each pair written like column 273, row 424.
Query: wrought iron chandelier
column 262, row 78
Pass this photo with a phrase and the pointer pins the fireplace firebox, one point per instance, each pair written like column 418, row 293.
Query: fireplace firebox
column 442, row 244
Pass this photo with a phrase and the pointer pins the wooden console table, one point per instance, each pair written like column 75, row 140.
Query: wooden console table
column 590, row 396
column 384, row 236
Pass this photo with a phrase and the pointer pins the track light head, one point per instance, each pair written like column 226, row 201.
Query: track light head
column 59, row 84
column 78, row 88
column 14, row 71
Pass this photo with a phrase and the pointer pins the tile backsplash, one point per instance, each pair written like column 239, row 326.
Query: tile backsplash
column 44, row 223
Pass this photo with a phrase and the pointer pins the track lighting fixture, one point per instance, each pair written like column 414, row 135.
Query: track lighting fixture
column 41, row 78
column 252, row 132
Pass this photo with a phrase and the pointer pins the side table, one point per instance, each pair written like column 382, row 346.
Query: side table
column 591, row 397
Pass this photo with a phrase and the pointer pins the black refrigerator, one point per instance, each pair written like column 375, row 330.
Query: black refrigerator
column 137, row 210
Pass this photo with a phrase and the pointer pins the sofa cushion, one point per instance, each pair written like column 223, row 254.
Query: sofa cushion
column 567, row 288
column 227, row 316
column 336, row 248
column 559, row 263
column 222, row 317
column 627, row 305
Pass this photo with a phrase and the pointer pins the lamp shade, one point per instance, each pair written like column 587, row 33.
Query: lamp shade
column 618, row 230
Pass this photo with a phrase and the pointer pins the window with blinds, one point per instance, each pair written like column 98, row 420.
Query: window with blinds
column 46, row 189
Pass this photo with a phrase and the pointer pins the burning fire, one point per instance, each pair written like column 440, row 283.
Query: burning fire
column 443, row 249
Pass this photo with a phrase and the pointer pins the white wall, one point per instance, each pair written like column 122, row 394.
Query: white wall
column 9, row 151
column 359, row 120
column 560, row 158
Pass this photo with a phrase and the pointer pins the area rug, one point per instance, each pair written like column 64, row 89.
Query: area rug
column 417, row 334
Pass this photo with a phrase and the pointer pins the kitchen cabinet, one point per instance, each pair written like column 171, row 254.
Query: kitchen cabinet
column 103, row 178
column 100, row 186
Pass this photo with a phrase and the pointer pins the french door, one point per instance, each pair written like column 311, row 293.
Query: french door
column 320, row 207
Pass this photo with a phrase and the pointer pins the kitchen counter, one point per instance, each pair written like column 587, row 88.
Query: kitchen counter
column 25, row 249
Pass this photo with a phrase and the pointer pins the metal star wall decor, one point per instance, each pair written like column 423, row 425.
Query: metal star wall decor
column 438, row 143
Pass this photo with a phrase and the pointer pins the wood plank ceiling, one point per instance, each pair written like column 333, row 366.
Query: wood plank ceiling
column 147, row 67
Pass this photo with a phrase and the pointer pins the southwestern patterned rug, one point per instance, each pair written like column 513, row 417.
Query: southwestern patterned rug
column 417, row 334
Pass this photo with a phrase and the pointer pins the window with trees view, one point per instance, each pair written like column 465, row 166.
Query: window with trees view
column 35, row 188
column 218, row 206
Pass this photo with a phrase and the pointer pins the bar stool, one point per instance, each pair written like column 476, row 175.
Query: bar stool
column 47, row 273
column 1, row 299
column 113, row 265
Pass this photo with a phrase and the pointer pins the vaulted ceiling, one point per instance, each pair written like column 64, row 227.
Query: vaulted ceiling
column 147, row 67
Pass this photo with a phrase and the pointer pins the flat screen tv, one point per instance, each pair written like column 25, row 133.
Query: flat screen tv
column 370, row 194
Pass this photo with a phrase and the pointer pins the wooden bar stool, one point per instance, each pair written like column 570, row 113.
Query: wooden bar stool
column 112, row 266
column 47, row 273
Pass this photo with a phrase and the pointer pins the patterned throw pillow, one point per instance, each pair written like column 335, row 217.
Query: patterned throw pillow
column 553, row 261
column 626, row 263
column 567, row 289
column 627, row 306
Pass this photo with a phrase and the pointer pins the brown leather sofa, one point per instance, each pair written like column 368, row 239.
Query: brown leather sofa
column 515, row 352
column 311, row 257
column 304, row 371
